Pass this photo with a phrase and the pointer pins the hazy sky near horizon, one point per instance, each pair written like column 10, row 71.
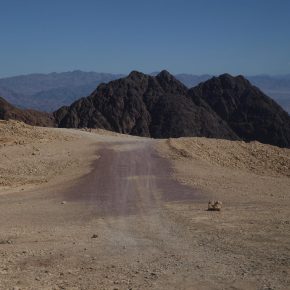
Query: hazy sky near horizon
column 199, row 37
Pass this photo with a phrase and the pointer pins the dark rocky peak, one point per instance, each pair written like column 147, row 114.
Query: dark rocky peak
column 247, row 110
column 170, row 84
column 227, row 81
column 136, row 75
column 165, row 75
column 224, row 86
column 134, row 83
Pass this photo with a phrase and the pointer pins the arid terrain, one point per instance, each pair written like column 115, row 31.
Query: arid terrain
column 91, row 209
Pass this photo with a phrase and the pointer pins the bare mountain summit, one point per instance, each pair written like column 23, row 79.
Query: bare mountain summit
column 146, row 106
column 247, row 110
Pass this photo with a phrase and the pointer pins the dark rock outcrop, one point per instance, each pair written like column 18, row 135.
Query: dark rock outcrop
column 31, row 117
column 146, row 106
column 248, row 111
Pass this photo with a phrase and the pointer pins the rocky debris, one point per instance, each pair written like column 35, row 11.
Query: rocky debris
column 29, row 154
column 63, row 202
column 214, row 205
column 15, row 132
column 5, row 242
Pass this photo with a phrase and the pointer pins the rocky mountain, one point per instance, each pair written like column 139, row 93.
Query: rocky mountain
column 31, row 117
column 146, row 106
column 161, row 107
column 247, row 110
column 48, row 92
column 277, row 87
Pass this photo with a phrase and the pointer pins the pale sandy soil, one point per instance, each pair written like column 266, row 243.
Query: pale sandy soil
column 34, row 156
column 31, row 156
column 252, row 233
column 151, row 231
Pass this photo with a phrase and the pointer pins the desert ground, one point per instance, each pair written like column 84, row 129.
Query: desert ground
column 90, row 209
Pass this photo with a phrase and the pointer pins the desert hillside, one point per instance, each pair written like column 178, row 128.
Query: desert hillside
column 255, row 157
column 230, row 169
column 92, row 209
column 252, row 232
column 34, row 155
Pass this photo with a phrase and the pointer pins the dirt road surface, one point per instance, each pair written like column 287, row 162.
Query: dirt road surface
column 50, row 241
column 127, row 224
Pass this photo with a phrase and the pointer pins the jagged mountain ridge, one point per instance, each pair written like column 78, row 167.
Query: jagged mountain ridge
column 161, row 107
column 146, row 106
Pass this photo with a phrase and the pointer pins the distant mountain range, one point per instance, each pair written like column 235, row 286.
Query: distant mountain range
column 47, row 92
column 161, row 106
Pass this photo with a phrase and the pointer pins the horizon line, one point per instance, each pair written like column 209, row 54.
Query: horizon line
column 153, row 72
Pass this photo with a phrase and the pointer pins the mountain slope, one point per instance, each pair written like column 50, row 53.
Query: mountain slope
column 146, row 106
column 249, row 112
column 31, row 117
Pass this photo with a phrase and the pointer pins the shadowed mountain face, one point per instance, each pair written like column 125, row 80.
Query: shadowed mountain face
column 31, row 117
column 161, row 107
column 146, row 106
column 248, row 111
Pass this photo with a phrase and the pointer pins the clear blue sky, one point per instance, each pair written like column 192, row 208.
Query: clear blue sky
column 206, row 36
